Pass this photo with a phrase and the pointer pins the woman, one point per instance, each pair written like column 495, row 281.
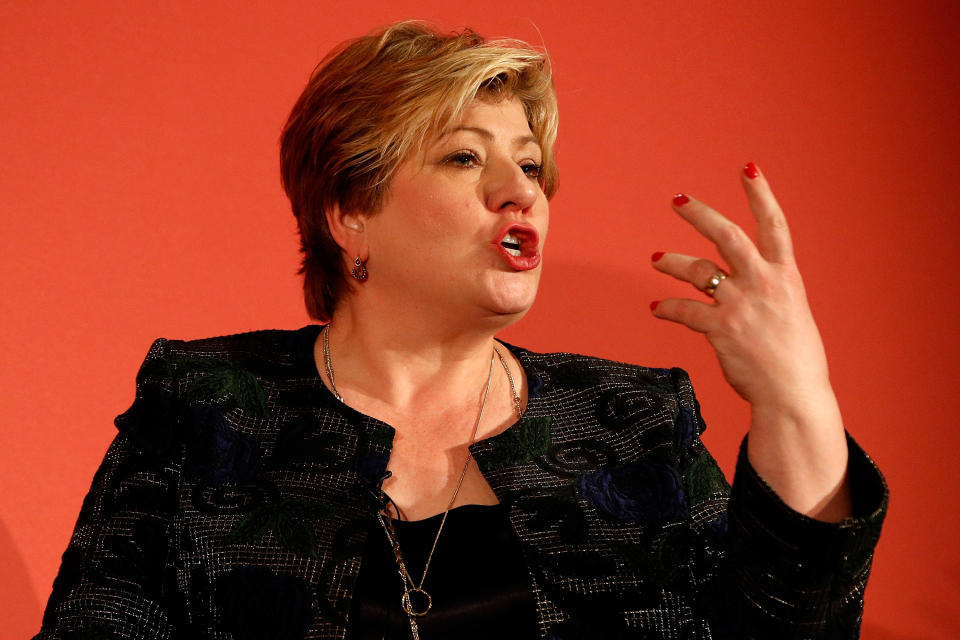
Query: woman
column 400, row 473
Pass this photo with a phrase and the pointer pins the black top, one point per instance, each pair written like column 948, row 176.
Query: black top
column 237, row 500
column 478, row 579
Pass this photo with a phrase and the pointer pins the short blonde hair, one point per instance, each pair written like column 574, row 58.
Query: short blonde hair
column 370, row 104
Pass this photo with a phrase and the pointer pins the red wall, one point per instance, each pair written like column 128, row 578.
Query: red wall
column 140, row 197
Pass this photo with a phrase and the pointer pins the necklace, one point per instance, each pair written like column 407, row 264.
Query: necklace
column 412, row 589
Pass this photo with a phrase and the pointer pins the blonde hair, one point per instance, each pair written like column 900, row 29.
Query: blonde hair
column 371, row 103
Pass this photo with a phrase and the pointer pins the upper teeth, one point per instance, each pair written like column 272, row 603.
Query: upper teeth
column 511, row 243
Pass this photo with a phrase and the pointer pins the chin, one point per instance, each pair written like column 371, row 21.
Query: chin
column 512, row 300
column 511, row 312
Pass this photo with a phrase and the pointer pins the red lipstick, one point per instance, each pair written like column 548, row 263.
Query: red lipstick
column 518, row 238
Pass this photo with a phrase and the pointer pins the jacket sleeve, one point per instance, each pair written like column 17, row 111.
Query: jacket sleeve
column 786, row 575
column 114, row 580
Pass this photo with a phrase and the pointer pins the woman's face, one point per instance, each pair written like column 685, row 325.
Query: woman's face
column 462, row 228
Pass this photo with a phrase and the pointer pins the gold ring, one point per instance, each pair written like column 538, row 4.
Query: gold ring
column 714, row 282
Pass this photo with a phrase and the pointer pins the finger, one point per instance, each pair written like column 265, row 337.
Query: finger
column 733, row 243
column 691, row 313
column 696, row 271
column 773, row 234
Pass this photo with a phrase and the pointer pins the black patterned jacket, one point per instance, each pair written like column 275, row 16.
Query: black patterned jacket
column 235, row 501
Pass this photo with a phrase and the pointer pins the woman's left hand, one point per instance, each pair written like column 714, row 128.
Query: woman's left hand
column 769, row 348
column 759, row 323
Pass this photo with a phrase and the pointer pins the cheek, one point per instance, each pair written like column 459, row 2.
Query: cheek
column 422, row 219
column 437, row 218
column 453, row 218
column 544, row 225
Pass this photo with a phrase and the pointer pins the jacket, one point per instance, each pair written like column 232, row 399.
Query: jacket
column 235, row 499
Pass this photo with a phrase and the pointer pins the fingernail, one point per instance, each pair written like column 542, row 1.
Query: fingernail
column 679, row 200
column 656, row 256
column 750, row 170
column 653, row 305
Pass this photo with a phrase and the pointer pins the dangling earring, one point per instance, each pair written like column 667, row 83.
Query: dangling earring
column 359, row 271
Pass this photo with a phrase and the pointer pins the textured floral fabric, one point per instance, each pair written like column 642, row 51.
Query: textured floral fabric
column 235, row 501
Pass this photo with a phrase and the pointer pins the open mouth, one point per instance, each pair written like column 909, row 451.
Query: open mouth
column 519, row 245
column 511, row 243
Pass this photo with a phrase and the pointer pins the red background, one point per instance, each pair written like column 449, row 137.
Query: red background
column 140, row 198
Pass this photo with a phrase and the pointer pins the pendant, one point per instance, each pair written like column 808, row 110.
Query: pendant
column 419, row 608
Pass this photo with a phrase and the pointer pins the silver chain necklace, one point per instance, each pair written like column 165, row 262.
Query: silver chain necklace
column 411, row 588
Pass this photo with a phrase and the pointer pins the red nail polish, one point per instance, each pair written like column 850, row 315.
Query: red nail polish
column 656, row 256
column 679, row 200
column 751, row 171
column 653, row 305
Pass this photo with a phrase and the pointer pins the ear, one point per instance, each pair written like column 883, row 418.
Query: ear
column 349, row 230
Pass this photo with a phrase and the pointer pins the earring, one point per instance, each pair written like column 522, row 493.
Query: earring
column 359, row 271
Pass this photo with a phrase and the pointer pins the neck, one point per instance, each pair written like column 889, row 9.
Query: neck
column 408, row 365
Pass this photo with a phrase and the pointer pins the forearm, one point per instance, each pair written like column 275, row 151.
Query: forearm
column 799, row 448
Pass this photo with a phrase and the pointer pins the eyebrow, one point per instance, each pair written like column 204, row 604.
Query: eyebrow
column 519, row 141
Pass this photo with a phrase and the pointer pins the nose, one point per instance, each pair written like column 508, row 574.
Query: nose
column 509, row 188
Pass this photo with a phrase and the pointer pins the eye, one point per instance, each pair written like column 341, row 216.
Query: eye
column 532, row 170
column 464, row 158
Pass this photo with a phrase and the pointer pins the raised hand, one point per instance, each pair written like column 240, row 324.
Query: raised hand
column 760, row 325
column 759, row 322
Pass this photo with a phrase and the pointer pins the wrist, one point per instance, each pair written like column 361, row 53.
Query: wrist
column 799, row 448
column 797, row 406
